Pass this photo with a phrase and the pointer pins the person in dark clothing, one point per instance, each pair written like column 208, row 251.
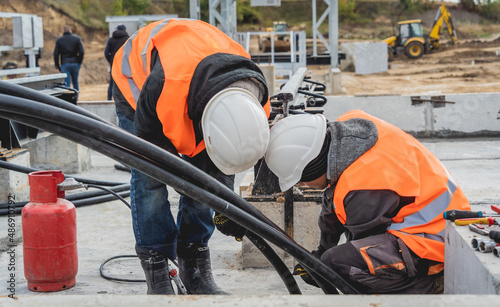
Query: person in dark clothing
column 118, row 38
column 68, row 56
column 188, row 88
column 382, row 188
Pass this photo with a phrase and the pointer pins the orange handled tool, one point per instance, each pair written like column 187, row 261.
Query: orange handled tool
column 482, row 220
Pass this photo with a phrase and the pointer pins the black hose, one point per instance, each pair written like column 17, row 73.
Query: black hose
column 31, row 121
column 280, row 267
column 22, row 92
column 186, row 170
column 18, row 207
column 104, row 128
column 27, row 170
column 156, row 171
column 121, row 189
column 101, row 269
column 111, row 192
column 16, row 90
column 99, row 130
column 111, row 150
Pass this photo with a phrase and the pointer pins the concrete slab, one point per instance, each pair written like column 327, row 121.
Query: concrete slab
column 365, row 57
column 255, row 300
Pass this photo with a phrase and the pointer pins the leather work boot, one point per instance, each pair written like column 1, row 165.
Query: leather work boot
column 195, row 270
column 156, row 270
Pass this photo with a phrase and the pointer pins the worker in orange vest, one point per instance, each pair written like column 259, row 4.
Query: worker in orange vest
column 384, row 190
column 190, row 89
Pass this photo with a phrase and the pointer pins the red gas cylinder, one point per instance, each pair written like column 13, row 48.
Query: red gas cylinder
column 49, row 235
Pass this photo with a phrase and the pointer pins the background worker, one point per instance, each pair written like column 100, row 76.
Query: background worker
column 68, row 56
column 190, row 89
column 384, row 190
column 118, row 38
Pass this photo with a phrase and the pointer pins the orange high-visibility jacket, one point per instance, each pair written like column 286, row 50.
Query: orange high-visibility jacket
column 399, row 163
column 180, row 46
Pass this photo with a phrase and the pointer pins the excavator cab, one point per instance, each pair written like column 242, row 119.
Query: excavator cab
column 411, row 39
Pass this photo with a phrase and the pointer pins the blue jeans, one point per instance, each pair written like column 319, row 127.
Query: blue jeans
column 153, row 223
column 71, row 70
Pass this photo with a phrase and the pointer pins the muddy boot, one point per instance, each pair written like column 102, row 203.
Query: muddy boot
column 156, row 270
column 195, row 270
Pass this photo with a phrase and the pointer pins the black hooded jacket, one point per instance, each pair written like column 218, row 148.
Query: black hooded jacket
column 114, row 43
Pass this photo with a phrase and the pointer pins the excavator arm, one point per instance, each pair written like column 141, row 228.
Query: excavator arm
column 442, row 16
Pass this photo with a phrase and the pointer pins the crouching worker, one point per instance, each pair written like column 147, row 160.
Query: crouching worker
column 190, row 89
column 384, row 190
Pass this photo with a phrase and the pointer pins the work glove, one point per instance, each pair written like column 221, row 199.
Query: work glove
column 228, row 227
column 306, row 277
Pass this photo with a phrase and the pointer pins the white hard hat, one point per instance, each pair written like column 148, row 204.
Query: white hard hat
column 295, row 141
column 235, row 130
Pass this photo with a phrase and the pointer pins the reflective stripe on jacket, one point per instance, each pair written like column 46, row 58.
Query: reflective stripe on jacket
column 181, row 45
column 399, row 163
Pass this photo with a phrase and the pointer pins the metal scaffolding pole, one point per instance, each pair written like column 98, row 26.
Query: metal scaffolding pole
column 194, row 9
column 333, row 29
column 226, row 18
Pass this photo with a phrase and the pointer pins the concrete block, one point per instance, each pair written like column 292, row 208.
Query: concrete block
column 15, row 184
column 305, row 229
column 15, row 189
column 105, row 109
column 50, row 151
column 365, row 58
column 269, row 73
column 467, row 271
column 470, row 114
column 333, row 82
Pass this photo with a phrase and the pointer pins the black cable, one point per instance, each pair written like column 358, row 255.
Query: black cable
column 27, row 170
column 112, row 192
column 156, row 171
column 101, row 269
column 16, row 90
column 92, row 196
column 105, row 149
column 93, row 131
column 46, row 112
column 205, row 182
column 18, row 207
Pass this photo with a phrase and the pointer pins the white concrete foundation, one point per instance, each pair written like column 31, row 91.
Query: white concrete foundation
column 305, row 231
column 50, row 151
column 467, row 271
column 15, row 184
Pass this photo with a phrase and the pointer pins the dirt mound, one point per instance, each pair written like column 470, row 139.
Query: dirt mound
column 95, row 67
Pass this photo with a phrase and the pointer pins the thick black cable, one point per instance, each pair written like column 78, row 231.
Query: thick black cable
column 93, row 127
column 280, row 267
column 16, row 90
column 112, row 192
column 22, row 92
column 193, row 174
column 213, row 201
column 18, row 207
column 27, row 170
column 111, row 150
column 101, row 269
column 89, row 127
column 123, row 190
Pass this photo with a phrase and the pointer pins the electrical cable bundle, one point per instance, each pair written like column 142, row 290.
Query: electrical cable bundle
column 59, row 117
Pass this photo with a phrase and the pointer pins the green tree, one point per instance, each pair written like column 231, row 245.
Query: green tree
column 118, row 8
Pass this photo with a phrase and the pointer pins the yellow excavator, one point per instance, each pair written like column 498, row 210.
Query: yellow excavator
column 411, row 39
column 281, row 42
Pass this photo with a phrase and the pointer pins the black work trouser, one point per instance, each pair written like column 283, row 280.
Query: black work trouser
column 383, row 264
